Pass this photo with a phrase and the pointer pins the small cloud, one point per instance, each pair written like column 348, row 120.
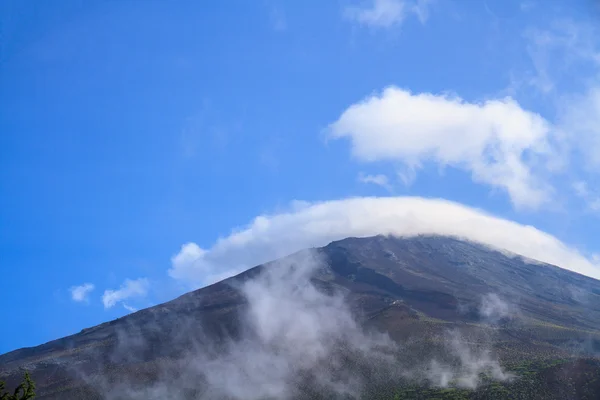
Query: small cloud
column 407, row 175
column 379, row 180
column 188, row 261
column 495, row 309
column 381, row 13
column 129, row 308
column 562, row 54
column 81, row 293
column 130, row 288
column 387, row 13
column 192, row 265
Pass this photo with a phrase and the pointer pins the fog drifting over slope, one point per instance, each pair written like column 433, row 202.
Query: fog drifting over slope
column 307, row 225
column 299, row 341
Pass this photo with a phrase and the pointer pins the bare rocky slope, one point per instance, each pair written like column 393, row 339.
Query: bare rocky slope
column 539, row 323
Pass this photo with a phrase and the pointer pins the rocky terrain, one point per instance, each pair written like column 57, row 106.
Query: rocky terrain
column 378, row 317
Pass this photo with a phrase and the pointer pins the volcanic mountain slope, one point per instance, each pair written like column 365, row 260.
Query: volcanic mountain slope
column 466, row 314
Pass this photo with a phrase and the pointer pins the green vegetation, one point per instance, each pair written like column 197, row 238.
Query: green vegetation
column 433, row 393
column 25, row 390
column 533, row 379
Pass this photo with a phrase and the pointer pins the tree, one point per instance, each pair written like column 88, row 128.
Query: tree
column 25, row 391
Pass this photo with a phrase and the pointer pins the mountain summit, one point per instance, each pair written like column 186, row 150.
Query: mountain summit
column 356, row 316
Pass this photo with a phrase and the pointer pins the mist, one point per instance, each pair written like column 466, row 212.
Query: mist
column 494, row 309
column 295, row 339
column 299, row 338
column 466, row 365
column 294, row 332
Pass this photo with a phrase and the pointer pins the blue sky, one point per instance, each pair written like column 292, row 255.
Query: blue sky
column 149, row 148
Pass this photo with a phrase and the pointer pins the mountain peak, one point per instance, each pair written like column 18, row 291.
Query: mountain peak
column 404, row 286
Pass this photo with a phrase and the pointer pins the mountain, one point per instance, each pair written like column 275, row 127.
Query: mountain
column 459, row 319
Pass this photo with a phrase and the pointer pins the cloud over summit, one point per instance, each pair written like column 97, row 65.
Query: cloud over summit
column 269, row 237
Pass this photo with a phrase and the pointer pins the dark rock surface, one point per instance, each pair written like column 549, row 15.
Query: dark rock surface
column 415, row 289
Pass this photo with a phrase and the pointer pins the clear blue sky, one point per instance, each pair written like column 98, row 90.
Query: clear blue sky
column 128, row 129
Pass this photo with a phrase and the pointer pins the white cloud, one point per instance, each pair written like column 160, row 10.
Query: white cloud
column 387, row 13
column 564, row 53
column 379, row 180
column 129, row 308
column 407, row 175
column 81, row 293
column 269, row 237
column 497, row 141
column 191, row 263
column 130, row 288
column 565, row 58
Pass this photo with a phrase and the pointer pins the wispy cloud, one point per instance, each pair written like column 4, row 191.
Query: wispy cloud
column 591, row 199
column 387, row 13
column 129, row 308
column 580, row 123
column 469, row 365
column 81, row 293
column 562, row 54
column 421, row 9
column 407, row 174
column 278, row 19
column 493, row 308
column 379, row 180
column 129, row 289
column 566, row 62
